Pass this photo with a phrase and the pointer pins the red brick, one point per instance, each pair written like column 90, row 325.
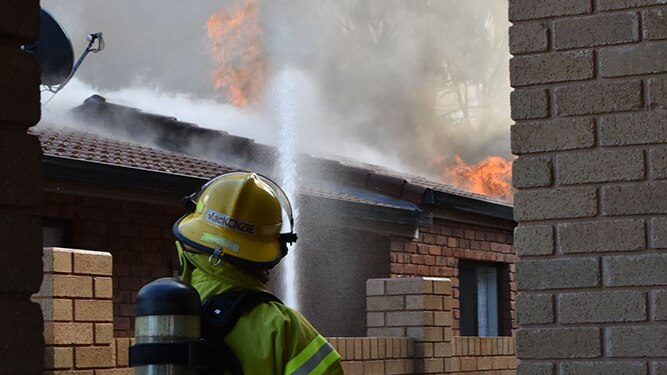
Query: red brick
column 435, row 250
column 410, row 247
column 127, row 309
column 121, row 324
column 397, row 269
column 410, row 269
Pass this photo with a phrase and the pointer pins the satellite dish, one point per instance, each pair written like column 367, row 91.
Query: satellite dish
column 54, row 52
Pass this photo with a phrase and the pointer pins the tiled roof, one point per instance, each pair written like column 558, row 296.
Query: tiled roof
column 338, row 179
column 349, row 194
column 74, row 144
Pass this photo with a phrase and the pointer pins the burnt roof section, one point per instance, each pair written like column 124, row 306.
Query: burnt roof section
column 446, row 195
column 171, row 134
column 164, row 131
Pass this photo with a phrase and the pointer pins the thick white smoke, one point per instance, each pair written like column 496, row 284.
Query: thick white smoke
column 403, row 84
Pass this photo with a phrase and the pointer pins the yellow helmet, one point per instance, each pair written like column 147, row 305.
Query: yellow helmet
column 238, row 217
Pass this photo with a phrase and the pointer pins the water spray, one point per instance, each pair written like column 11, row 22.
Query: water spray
column 284, row 104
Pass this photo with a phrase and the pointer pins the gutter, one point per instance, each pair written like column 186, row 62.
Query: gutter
column 89, row 172
column 69, row 169
column 475, row 206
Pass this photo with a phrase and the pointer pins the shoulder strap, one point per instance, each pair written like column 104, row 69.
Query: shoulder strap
column 219, row 315
column 220, row 312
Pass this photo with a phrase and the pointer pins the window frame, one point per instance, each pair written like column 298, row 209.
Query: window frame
column 471, row 328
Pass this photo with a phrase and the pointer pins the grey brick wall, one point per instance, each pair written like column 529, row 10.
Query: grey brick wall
column 589, row 105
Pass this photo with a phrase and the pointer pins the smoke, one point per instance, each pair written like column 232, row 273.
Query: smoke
column 403, row 84
column 187, row 107
column 422, row 80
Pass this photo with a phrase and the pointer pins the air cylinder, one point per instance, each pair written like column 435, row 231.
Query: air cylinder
column 167, row 327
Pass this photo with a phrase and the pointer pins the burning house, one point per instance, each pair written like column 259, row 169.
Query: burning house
column 356, row 222
column 115, row 176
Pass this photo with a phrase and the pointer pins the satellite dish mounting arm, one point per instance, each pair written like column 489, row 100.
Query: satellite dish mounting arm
column 92, row 38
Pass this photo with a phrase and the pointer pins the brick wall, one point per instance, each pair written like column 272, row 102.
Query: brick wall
column 439, row 249
column 375, row 355
column 138, row 235
column 589, row 101
column 474, row 355
column 20, row 191
column 421, row 308
column 77, row 308
column 409, row 321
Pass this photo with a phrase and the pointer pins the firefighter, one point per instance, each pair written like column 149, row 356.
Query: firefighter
column 227, row 245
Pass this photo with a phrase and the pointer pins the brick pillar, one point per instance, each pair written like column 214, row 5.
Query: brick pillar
column 414, row 307
column 21, row 342
column 589, row 105
column 76, row 300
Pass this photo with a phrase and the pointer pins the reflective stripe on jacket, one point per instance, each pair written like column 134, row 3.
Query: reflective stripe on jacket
column 272, row 338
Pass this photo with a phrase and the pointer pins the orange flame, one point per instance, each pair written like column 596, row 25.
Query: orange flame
column 491, row 176
column 237, row 50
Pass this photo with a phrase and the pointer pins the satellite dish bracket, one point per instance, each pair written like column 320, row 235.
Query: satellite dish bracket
column 92, row 38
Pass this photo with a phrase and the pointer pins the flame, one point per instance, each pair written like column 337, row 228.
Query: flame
column 237, row 50
column 491, row 176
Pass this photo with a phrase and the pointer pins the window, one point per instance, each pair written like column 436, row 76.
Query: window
column 55, row 233
column 478, row 299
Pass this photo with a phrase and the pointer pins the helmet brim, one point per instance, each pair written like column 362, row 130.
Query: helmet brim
column 191, row 230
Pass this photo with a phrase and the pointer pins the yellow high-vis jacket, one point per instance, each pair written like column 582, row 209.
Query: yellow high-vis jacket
column 270, row 339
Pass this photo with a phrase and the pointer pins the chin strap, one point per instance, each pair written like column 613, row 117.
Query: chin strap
column 287, row 238
column 185, row 266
